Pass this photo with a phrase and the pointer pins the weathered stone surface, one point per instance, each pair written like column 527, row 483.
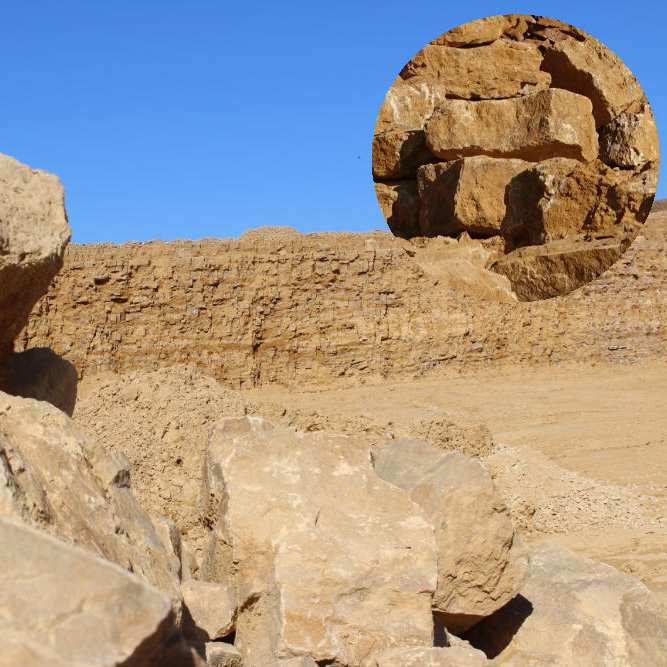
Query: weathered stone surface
column 409, row 104
column 400, row 207
column 450, row 656
column 332, row 312
column 589, row 68
column 40, row 373
column 465, row 195
column 63, row 606
column 54, row 477
column 499, row 70
column 550, row 123
column 481, row 564
column 462, row 267
column 576, row 612
column 33, row 236
column 220, row 654
column 480, row 31
column 556, row 268
column 398, row 152
column 560, row 198
column 328, row 560
column 630, row 140
column 212, row 609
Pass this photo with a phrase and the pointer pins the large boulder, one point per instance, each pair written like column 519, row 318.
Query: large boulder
column 63, row 606
column 589, row 68
column 550, row 123
column 553, row 269
column 465, row 195
column 574, row 611
column 328, row 560
column 498, row 70
column 33, row 236
column 481, row 563
column 54, row 477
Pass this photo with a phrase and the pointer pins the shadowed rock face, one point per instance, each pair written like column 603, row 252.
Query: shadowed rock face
column 533, row 131
column 33, row 236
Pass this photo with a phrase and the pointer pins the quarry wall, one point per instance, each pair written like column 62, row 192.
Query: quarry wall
column 278, row 306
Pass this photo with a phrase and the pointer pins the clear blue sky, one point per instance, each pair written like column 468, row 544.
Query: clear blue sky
column 202, row 119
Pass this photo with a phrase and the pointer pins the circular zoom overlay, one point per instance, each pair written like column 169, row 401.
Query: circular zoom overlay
column 526, row 147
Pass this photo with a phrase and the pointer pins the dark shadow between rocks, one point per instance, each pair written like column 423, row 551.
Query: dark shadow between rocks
column 493, row 634
column 41, row 374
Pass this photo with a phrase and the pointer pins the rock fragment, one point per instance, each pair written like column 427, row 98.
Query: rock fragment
column 63, row 606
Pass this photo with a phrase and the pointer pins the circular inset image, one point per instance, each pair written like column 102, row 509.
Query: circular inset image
column 525, row 147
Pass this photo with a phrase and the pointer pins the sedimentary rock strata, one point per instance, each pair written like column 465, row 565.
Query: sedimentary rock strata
column 33, row 236
column 338, row 308
column 527, row 116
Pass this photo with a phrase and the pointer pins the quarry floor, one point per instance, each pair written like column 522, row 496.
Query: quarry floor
column 573, row 436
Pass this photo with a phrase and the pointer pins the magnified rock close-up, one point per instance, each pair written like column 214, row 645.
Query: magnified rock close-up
column 524, row 142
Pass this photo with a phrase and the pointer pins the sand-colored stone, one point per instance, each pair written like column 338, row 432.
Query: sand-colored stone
column 62, row 606
column 630, row 140
column 33, row 236
column 221, row 654
column 481, row 563
column 573, row 610
column 408, row 104
column 560, row 198
column 498, row 70
column 465, row 195
column 212, row 609
column 398, row 152
column 450, row 656
column 480, row 31
column 328, row 560
column 589, row 68
column 559, row 267
column 400, row 207
column 58, row 479
column 550, row 123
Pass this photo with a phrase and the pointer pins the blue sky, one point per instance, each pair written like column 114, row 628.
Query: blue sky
column 202, row 119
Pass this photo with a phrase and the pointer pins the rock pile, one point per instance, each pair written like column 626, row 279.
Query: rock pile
column 526, row 129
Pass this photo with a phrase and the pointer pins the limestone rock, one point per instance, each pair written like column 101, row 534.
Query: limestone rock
column 328, row 560
column 40, row 373
column 54, row 477
column 409, row 104
column 212, row 608
column 498, row 70
column 556, row 268
column 559, row 198
column 220, row 654
column 450, row 656
column 630, row 140
column 480, row 562
column 33, row 236
column 63, row 606
column 550, row 123
column 575, row 611
column 400, row 207
column 465, row 195
column 480, row 31
column 589, row 68
column 398, row 152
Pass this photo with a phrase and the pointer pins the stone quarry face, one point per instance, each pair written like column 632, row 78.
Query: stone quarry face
column 524, row 128
column 33, row 236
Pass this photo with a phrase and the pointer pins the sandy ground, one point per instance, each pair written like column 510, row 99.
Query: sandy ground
column 580, row 456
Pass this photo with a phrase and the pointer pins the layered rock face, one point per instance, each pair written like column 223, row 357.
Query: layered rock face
column 533, row 131
column 33, row 236
column 337, row 308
